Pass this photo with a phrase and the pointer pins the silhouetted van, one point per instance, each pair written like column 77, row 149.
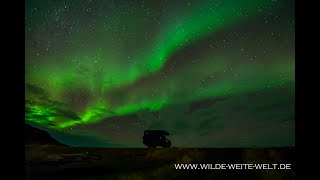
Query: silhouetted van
column 154, row 138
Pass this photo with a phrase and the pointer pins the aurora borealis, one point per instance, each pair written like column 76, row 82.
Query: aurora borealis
column 211, row 72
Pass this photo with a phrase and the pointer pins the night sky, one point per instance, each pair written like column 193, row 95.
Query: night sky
column 213, row 73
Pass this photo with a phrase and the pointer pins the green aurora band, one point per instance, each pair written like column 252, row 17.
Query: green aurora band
column 108, row 66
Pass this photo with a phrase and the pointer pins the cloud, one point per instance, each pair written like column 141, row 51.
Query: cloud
column 42, row 110
column 35, row 89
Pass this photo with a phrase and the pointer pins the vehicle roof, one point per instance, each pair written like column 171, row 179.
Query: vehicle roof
column 158, row 132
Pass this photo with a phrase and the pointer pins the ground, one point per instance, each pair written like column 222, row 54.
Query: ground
column 60, row 162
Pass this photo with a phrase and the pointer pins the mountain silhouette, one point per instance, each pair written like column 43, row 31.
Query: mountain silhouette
column 37, row 136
